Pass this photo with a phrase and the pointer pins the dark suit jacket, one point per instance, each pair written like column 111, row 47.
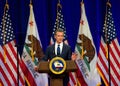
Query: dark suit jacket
column 50, row 52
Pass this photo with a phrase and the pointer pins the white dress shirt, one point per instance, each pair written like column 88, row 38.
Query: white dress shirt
column 61, row 46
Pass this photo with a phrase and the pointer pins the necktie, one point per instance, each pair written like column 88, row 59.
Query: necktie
column 58, row 50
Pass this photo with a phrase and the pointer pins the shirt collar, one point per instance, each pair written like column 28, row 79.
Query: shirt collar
column 61, row 44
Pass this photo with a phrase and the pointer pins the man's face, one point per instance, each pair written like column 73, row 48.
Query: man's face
column 59, row 37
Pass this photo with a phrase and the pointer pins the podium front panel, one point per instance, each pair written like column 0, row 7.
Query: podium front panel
column 43, row 67
column 71, row 66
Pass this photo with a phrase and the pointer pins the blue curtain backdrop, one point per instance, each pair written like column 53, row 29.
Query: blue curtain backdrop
column 45, row 15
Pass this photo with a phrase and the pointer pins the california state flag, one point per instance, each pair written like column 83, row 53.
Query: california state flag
column 31, row 53
column 87, row 74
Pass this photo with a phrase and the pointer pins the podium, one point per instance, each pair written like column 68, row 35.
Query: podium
column 56, row 79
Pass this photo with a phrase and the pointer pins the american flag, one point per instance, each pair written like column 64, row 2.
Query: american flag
column 8, row 54
column 59, row 23
column 111, row 51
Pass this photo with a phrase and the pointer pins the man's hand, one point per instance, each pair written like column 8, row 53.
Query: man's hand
column 74, row 56
column 36, row 68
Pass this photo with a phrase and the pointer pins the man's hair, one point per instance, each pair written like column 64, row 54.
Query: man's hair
column 59, row 30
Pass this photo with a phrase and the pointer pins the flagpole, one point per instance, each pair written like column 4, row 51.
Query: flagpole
column 31, row 29
column 109, row 63
column 108, row 47
column 82, row 1
column 17, row 64
column 108, row 3
column 82, row 53
column 4, row 34
column 16, row 45
column 7, row 7
column 58, row 5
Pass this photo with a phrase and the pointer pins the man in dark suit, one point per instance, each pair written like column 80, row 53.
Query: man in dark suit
column 65, row 50
column 59, row 49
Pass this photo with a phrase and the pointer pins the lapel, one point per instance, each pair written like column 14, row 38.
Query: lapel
column 63, row 49
column 53, row 49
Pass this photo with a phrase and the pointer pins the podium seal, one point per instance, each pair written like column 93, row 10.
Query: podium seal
column 57, row 65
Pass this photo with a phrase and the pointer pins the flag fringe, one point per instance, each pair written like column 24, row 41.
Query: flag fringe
column 102, row 77
column 27, row 82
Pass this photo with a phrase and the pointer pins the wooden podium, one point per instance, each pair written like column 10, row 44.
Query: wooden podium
column 55, row 79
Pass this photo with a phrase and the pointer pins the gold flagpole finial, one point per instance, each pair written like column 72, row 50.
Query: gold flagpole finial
column 6, row 5
column 108, row 3
column 59, row 5
column 30, row 3
column 82, row 2
column 31, row 29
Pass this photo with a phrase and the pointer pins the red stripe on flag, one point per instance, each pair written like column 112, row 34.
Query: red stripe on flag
column 103, row 63
column 116, row 47
column 113, row 62
column 103, row 49
column 101, row 72
column 13, row 50
column 80, row 77
column 113, row 80
column 21, row 77
column 1, row 83
column 113, row 66
column 72, row 78
column 68, row 84
column 15, row 55
column 28, row 74
column 114, row 70
column 5, row 77
column 9, row 57
column 113, row 55
column 11, row 60
column 9, row 70
column 12, row 63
